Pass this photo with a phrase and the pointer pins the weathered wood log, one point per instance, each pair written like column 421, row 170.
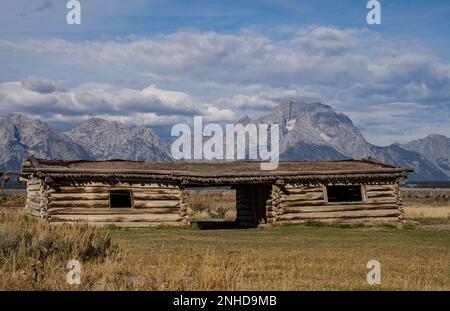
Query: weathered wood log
column 336, row 208
column 32, row 205
column 379, row 194
column 33, row 182
column 382, row 200
column 301, row 187
column 346, row 214
column 302, row 197
column 304, row 191
column 79, row 196
column 81, row 203
column 106, row 189
column 156, row 203
column 302, row 203
column 36, row 192
column 271, row 214
column 135, row 184
column 111, row 211
column 36, row 187
column 155, row 196
column 119, row 218
column 34, row 198
column 363, row 220
column 380, row 187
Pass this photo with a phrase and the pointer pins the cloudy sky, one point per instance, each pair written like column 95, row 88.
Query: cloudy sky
column 155, row 62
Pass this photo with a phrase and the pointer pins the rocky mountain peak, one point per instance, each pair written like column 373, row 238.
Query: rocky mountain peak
column 435, row 148
column 107, row 140
column 22, row 137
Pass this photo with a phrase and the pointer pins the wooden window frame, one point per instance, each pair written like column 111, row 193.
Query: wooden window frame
column 362, row 188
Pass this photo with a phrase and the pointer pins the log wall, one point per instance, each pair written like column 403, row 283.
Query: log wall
column 67, row 202
column 35, row 205
column 166, row 203
column 298, row 203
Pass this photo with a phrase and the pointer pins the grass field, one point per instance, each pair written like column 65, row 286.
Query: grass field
column 290, row 258
column 412, row 257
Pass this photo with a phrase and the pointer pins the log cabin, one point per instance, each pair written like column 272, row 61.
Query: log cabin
column 135, row 194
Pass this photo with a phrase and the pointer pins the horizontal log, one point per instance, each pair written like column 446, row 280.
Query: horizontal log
column 363, row 220
column 135, row 184
column 346, row 214
column 111, row 211
column 34, row 198
column 304, row 191
column 156, row 203
column 336, row 208
column 303, row 203
column 119, row 218
column 33, row 182
column 271, row 214
column 302, row 197
column 80, row 203
column 32, row 205
column 36, row 193
column 390, row 200
column 106, row 189
column 79, row 196
column 380, row 187
column 293, row 187
column 379, row 194
column 33, row 188
column 155, row 196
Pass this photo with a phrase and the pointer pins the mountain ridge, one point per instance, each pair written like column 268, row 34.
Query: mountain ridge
column 316, row 132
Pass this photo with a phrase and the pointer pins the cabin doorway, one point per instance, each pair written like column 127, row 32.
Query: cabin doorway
column 212, row 207
column 120, row 199
column 252, row 204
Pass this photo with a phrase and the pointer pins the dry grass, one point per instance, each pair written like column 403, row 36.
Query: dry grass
column 206, row 204
column 33, row 255
column 288, row 258
column 12, row 201
column 423, row 211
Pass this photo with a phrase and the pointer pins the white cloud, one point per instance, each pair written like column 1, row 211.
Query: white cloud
column 150, row 106
column 355, row 71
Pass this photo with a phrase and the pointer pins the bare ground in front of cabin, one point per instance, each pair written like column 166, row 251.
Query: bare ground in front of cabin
column 413, row 257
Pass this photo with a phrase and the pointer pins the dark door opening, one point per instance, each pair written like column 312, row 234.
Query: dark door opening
column 344, row 193
column 120, row 199
column 252, row 204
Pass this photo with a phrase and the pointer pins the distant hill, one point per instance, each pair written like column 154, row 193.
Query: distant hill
column 318, row 133
column 435, row 148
